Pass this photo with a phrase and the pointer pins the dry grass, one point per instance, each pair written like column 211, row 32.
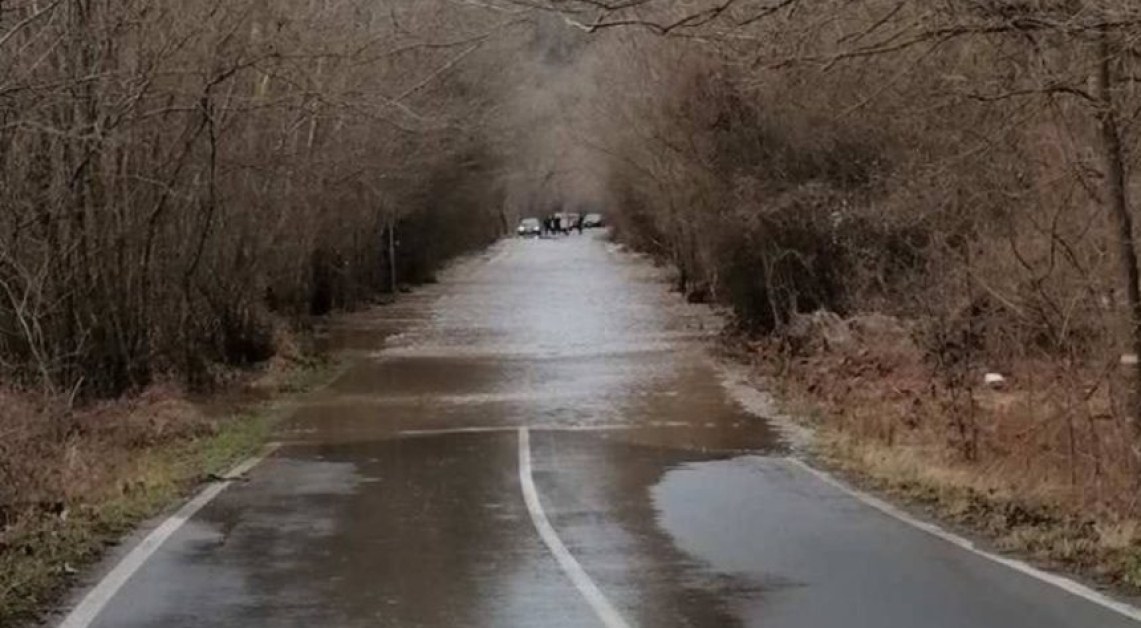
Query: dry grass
column 1040, row 468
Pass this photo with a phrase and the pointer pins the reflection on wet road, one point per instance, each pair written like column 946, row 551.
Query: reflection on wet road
column 399, row 495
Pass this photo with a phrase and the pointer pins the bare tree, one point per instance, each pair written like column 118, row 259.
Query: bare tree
column 177, row 175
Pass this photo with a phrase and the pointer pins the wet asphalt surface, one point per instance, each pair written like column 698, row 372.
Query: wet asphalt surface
column 396, row 498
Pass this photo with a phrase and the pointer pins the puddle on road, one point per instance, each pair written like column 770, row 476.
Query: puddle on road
column 597, row 490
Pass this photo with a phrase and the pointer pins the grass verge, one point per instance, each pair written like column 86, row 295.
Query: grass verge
column 78, row 481
column 1102, row 548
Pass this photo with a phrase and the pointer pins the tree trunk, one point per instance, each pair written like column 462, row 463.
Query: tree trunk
column 392, row 254
column 1117, row 200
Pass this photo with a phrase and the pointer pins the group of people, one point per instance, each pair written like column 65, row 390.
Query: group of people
column 561, row 224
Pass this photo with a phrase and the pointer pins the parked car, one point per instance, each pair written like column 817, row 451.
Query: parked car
column 592, row 221
column 529, row 228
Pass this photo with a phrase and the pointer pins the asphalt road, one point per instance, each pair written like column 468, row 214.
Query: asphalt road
column 639, row 493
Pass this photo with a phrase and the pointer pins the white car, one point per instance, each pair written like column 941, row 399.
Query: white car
column 529, row 227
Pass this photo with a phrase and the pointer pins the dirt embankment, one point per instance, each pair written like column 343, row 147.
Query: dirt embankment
column 1038, row 463
column 74, row 481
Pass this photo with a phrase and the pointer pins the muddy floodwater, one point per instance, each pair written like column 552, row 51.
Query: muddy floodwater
column 541, row 439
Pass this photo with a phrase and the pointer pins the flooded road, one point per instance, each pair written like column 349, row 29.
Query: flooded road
column 541, row 440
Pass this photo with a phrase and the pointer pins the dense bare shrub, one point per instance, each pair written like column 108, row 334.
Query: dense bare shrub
column 174, row 174
column 955, row 161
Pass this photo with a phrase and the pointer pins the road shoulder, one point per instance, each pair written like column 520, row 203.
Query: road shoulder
column 143, row 459
column 934, row 498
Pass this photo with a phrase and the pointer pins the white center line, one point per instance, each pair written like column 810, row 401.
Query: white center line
column 594, row 596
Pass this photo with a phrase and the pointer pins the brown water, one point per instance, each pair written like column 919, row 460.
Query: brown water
column 396, row 499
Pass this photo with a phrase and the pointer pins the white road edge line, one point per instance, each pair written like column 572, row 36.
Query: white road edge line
column 1070, row 586
column 571, row 567
column 97, row 598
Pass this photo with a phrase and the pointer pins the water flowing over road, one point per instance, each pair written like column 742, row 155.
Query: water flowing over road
column 541, row 439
